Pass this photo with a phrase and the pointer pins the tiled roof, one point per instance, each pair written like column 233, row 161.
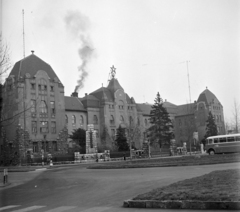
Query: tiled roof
column 32, row 64
column 90, row 101
column 114, row 85
column 208, row 97
column 73, row 103
column 102, row 91
column 186, row 109
column 146, row 108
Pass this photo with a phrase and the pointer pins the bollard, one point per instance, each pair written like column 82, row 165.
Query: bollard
column 5, row 176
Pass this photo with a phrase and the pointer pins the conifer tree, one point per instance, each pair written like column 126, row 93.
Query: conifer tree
column 211, row 128
column 161, row 124
column 121, row 140
column 79, row 135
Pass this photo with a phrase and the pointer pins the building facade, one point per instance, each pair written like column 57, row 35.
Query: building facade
column 34, row 101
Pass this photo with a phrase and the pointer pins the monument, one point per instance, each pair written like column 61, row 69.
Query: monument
column 91, row 142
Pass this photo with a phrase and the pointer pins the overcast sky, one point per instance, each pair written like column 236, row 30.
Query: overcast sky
column 147, row 41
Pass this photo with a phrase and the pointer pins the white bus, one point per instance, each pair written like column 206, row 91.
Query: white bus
column 223, row 144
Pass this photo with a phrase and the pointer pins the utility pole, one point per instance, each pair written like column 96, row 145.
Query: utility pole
column 23, row 34
column 190, row 101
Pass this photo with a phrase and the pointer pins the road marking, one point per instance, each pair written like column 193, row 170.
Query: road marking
column 8, row 207
column 29, row 208
column 60, row 209
column 96, row 209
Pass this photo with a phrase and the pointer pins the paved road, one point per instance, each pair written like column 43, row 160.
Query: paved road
column 89, row 190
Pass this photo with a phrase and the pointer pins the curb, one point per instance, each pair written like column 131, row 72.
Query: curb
column 181, row 204
column 4, row 185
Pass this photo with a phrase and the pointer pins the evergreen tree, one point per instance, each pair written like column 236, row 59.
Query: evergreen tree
column 79, row 135
column 211, row 128
column 121, row 140
column 161, row 124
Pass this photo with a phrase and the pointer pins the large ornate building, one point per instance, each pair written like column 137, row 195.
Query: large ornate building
column 39, row 116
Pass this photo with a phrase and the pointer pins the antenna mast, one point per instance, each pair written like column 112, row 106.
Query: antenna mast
column 188, row 82
column 23, row 35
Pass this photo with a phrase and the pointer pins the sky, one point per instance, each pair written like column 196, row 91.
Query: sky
column 148, row 41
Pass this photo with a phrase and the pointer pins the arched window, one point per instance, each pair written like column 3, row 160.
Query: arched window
column 43, row 107
column 95, row 119
column 138, row 122
column 121, row 119
column 81, row 120
column 73, row 120
column 66, row 119
column 111, row 119
column 130, row 120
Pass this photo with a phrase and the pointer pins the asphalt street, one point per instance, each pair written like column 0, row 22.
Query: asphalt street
column 76, row 188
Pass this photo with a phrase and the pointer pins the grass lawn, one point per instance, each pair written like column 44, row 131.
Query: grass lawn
column 215, row 186
column 170, row 161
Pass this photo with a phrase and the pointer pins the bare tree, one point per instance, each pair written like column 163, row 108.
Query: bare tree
column 236, row 116
column 5, row 63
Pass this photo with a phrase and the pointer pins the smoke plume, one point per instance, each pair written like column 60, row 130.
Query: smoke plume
column 79, row 25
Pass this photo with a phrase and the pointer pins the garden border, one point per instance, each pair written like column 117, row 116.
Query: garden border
column 182, row 204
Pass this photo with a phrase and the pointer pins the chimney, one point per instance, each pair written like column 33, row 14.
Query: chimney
column 74, row 94
column 165, row 100
column 32, row 52
column 85, row 94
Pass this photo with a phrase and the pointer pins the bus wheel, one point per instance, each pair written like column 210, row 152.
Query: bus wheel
column 211, row 152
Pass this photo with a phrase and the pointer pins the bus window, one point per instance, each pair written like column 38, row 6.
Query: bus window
column 230, row 139
column 215, row 140
column 237, row 138
column 221, row 140
column 210, row 141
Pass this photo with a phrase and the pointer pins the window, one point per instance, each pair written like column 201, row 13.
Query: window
column 33, row 106
column 52, row 105
column 97, row 133
column 95, row 119
column 81, row 120
column 221, row 140
column 35, row 146
column 54, row 146
column 138, row 121
column 230, row 139
column 53, row 127
column 33, row 86
column 42, row 85
column 44, row 127
column 237, row 138
column 111, row 119
column 179, row 122
column 121, row 119
column 34, row 127
column 73, row 120
column 210, row 141
column 121, row 105
column 113, row 133
column 47, row 146
column 51, row 88
column 215, row 140
column 43, row 146
column 43, row 107
column 130, row 120
column 66, row 119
